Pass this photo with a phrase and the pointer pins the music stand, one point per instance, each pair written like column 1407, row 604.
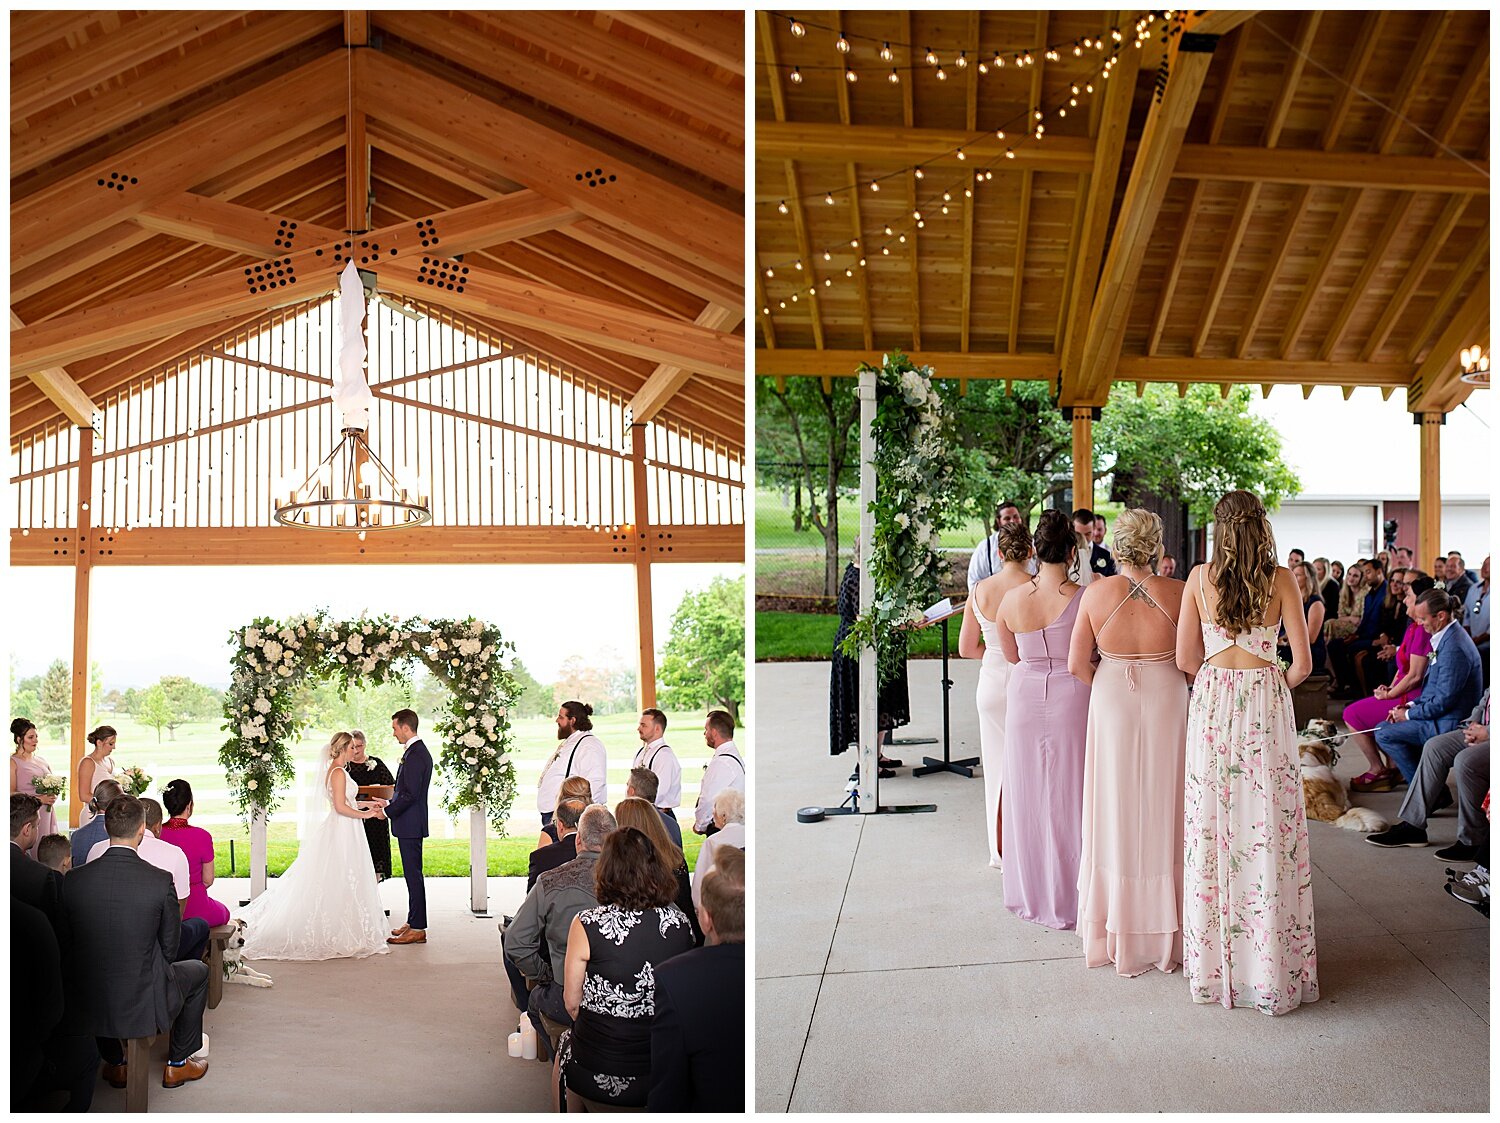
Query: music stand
column 930, row 765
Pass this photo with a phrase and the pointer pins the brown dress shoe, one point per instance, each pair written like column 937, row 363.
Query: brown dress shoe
column 192, row 1070
column 402, row 929
column 410, row 936
column 114, row 1075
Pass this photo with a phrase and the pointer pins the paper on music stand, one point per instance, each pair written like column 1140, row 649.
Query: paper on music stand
column 943, row 608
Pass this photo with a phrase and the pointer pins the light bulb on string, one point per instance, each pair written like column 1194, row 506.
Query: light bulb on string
column 885, row 52
column 960, row 154
column 850, row 77
column 886, row 250
column 841, row 44
column 888, row 231
column 962, row 61
column 983, row 67
column 798, row 29
column 1052, row 56
column 770, row 272
column 931, row 59
column 828, row 198
column 796, row 76
column 893, row 78
column 827, row 256
column 1029, row 60
column 874, row 185
column 1010, row 153
column 920, row 174
column 902, row 239
column 782, row 207
column 998, row 61
column 999, row 134
column 942, row 74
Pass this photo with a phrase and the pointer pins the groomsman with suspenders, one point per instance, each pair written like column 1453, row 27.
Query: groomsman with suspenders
column 578, row 753
column 725, row 769
column 658, row 756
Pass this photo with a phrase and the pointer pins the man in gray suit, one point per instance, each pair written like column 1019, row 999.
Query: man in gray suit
column 1466, row 753
column 125, row 929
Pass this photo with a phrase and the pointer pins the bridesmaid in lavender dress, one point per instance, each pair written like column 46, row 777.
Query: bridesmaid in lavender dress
column 1014, row 546
column 1046, row 720
column 25, row 767
column 1130, row 878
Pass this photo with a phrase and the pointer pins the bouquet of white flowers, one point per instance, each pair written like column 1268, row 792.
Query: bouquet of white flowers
column 134, row 780
column 50, row 784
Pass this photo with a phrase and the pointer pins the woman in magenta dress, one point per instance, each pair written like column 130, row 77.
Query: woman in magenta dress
column 198, row 845
column 1367, row 713
column 1046, row 725
column 25, row 767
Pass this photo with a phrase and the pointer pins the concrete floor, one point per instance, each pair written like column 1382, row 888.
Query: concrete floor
column 889, row 977
column 421, row 1028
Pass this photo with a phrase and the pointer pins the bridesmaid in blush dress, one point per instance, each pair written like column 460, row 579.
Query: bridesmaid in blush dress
column 25, row 768
column 1046, row 721
column 1130, row 877
column 1014, row 547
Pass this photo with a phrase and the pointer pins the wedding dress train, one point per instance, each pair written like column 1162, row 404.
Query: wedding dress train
column 327, row 904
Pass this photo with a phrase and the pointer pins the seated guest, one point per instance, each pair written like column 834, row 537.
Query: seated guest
column 1477, row 616
column 1466, row 753
column 565, row 849
column 725, row 769
column 1351, row 602
column 82, row 840
column 729, row 814
column 30, row 881
column 1459, row 578
column 1341, row 652
column 698, row 1034
column 1294, row 558
column 36, row 999
column 125, row 924
column 165, row 856
column 632, row 813
column 1373, row 667
column 1411, row 667
column 1329, row 586
column 609, row 977
column 1404, row 556
column 1167, row 566
column 574, row 787
column 643, row 784
column 657, row 756
column 1313, row 608
column 1450, row 691
column 536, row 940
column 55, row 852
column 198, row 845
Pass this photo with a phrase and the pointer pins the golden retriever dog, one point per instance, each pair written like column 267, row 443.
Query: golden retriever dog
column 1323, row 793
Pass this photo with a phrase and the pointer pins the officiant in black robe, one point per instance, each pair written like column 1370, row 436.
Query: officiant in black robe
column 372, row 770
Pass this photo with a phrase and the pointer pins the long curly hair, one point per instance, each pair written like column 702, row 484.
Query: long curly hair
column 1244, row 562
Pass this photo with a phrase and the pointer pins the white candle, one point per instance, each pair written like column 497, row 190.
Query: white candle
column 513, row 1044
column 528, row 1043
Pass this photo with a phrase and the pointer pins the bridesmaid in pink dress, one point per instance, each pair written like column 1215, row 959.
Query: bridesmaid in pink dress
column 1046, row 720
column 1130, row 876
column 25, row 767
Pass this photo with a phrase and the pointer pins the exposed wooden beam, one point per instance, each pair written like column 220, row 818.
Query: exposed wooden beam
column 1436, row 386
column 1439, row 316
column 1248, row 164
column 1411, row 278
column 666, row 379
column 1023, row 220
column 856, row 230
column 1119, row 92
column 899, row 145
column 63, row 392
column 356, row 29
column 767, row 322
column 173, row 161
column 788, row 362
column 715, row 37
column 490, row 135
column 650, row 259
column 914, row 258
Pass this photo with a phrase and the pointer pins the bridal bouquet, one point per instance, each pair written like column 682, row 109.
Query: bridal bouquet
column 134, row 780
column 50, row 784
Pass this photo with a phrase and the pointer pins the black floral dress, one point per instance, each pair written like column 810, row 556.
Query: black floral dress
column 377, row 831
column 894, row 703
column 607, row 1055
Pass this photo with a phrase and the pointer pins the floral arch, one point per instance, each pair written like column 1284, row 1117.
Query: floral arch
column 272, row 658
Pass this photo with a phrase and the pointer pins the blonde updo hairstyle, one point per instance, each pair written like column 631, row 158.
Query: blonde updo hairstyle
column 1014, row 542
column 340, row 742
column 1137, row 538
column 1244, row 562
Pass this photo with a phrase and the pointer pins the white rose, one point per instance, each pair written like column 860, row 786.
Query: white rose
column 484, row 771
column 469, row 647
column 265, row 756
column 442, row 645
column 252, row 637
column 383, row 651
column 273, row 651
column 355, row 644
column 471, row 760
column 367, row 629
column 252, row 784
column 901, row 520
column 246, row 730
column 262, row 705
column 284, row 671
column 477, row 788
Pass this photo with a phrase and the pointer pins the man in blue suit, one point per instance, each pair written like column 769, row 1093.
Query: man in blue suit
column 1451, row 690
column 407, row 812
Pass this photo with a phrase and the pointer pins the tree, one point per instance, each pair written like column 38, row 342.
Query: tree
column 54, row 708
column 535, row 700
column 813, row 444
column 113, row 702
column 154, row 710
column 1011, row 444
column 188, row 701
column 1192, row 448
column 579, row 681
column 704, row 658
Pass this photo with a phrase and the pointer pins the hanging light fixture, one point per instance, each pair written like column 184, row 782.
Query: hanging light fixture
column 1475, row 362
column 352, row 490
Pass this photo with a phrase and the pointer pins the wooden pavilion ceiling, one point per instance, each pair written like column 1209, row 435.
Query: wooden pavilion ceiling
column 214, row 133
column 1263, row 223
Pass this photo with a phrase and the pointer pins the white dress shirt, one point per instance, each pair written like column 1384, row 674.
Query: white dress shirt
column 733, row 834
column 658, row 756
column 724, row 770
column 985, row 561
column 1437, row 637
column 162, row 855
column 589, row 759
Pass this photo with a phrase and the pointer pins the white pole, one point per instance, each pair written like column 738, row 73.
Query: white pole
column 257, row 853
column 479, row 886
column 869, row 750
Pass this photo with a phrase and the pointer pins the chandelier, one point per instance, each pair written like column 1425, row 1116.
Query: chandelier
column 352, row 490
column 1475, row 362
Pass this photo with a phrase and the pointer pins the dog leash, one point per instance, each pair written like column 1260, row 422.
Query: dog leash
column 1336, row 736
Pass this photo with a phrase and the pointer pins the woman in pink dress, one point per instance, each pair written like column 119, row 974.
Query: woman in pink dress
column 1130, row 875
column 198, row 845
column 1367, row 713
column 25, row 767
column 1046, row 722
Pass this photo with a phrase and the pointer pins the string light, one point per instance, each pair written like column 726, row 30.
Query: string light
column 798, row 28
column 828, row 198
column 894, row 78
column 795, row 76
column 931, row 59
column 850, row 76
column 782, row 207
column 885, row 52
column 842, row 44
column 962, row 61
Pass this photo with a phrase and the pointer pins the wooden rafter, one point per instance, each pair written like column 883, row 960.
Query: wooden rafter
column 1436, row 387
column 856, row 231
column 914, row 254
column 1442, row 307
column 971, row 122
column 60, row 388
column 1411, row 278
column 705, row 34
column 667, row 380
column 1023, row 220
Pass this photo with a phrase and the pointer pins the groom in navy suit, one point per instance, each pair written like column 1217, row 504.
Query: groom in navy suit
column 407, row 812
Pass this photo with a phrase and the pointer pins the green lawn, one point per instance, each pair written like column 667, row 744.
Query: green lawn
column 795, row 635
column 773, row 526
column 193, row 755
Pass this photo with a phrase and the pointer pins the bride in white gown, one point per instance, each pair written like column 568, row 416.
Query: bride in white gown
column 326, row 905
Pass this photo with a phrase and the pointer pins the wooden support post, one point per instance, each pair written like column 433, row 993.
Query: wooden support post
column 1083, row 458
column 1430, row 497
column 644, row 627
column 82, row 564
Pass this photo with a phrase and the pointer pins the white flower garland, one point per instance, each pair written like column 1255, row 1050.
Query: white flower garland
column 274, row 657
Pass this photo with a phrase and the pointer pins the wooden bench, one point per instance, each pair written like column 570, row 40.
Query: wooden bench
column 1310, row 699
column 218, row 939
column 138, row 1071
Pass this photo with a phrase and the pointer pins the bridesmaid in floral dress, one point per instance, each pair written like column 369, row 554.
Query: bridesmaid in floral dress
column 25, row 767
column 1247, row 898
